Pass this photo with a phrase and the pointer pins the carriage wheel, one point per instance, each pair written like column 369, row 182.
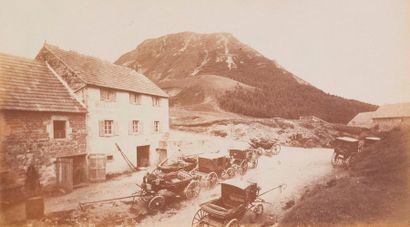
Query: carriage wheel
column 348, row 161
column 243, row 167
column 336, row 159
column 231, row 172
column 258, row 210
column 224, row 174
column 211, row 179
column 253, row 163
column 276, row 149
column 199, row 219
column 232, row 223
column 156, row 203
column 192, row 189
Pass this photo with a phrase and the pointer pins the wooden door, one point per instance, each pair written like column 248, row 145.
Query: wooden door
column 65, row 174
column 96, row 167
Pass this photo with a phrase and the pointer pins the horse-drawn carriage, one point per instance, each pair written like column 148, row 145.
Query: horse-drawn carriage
column 212, row 166
column 186, row 163
column 156, row 188
column 345, row 148
column 242, row 159
column 237, row 198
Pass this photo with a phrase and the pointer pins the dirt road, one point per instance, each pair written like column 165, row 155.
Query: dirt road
column 296, row 167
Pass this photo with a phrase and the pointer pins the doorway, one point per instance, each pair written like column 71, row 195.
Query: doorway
column 143, row 156
column 162, row 154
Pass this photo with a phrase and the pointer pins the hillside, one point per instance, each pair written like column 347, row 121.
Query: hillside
column 176, row 58
column 375, row 191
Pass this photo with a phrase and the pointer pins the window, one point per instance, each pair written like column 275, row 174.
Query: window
column 135, row 126
column 135, row 98
column 108, row 127
column 156, row 126
column 155, row 101
column 107, row 95
column 59, row 129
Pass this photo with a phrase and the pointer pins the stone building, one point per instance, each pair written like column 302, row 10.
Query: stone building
column 389, row 116
column 124, row 108
column 41, row 123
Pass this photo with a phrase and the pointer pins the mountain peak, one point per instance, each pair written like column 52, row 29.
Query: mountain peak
column 182, row 63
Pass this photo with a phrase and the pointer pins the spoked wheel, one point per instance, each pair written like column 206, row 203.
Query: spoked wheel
column 192, row 189
column 253, row 163
column 336, row 159
column 211, row 179
column 243, row 167
column 199, row 219
column 276, row 149
column 233, row 223
column 258, row 210
column 259, row 150
column 348, row 161
column 156, row 204
column 231, row 172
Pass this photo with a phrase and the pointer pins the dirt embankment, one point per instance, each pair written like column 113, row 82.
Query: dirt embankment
column 375, row 190
column 298, row 133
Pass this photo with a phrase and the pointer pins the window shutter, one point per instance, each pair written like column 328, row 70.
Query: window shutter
column 116, row 128
column 141, row 128
column 101, row 128
column 159, row 126
column 130, row 128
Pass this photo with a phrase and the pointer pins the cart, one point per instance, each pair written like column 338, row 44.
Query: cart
column 345, row 148
column 181, row 163
column 242, row 159
column 237, row 198
column 156, row 188
column 212, row 166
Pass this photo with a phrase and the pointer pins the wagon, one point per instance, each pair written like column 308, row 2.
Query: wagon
column 236, row 199
column 242, row 159
column 212, row 166
column 157, row 188
column 181, row 163
column 345, row 148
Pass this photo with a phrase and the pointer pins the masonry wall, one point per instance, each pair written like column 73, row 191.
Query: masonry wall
column 27, row 137
column 122, row 112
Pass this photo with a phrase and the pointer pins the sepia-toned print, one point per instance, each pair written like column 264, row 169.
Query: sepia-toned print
column 205, row 113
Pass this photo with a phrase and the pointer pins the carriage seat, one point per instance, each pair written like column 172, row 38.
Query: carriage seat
column 233, row 200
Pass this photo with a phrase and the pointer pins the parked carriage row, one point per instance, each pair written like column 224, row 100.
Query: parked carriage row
column 186, row 177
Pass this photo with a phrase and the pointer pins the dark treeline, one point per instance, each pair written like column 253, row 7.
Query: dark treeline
column 291, row 101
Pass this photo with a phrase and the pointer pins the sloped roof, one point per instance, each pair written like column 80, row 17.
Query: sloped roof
column 94, row 71
column 363, row 119
column 29, row 85
column 393, row 110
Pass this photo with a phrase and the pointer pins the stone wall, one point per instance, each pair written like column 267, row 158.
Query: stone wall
column 26, row 137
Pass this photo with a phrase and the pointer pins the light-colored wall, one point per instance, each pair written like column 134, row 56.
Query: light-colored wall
column 123, row 112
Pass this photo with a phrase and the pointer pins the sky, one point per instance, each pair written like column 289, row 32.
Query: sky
column 357, row 49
